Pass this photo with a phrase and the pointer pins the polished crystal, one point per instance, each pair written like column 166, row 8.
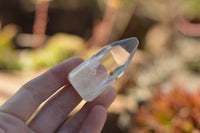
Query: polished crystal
column 95, row 74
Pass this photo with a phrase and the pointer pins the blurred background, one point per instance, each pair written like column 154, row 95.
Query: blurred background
column 160, row 93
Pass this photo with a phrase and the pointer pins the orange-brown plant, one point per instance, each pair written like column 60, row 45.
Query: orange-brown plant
column 177, row 111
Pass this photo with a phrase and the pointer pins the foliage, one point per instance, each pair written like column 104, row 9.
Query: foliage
column 58, row 48
column 177, row 111
column 190, row 8
column 8, row 58
column 166, row 10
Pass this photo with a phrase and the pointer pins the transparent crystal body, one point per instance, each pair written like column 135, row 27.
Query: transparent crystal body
column 95, row 74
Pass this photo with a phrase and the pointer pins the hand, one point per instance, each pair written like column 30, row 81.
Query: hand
column 16, row 115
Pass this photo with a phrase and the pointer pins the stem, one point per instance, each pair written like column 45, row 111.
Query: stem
column 103, row 30
column 39, row 27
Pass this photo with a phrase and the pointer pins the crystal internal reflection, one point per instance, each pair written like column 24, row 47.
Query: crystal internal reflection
column 95, row 74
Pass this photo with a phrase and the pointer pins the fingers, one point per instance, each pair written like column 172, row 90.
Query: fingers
column 75, row 122
column 55, row 111
column 11, row 124
column 32, row 94
column 95, row 120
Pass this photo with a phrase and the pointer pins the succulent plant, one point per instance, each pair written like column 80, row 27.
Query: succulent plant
column 58, row 48
column 8, row 58
column 175, row 112
column 190, row 8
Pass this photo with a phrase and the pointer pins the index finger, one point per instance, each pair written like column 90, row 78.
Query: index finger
column 32, row 94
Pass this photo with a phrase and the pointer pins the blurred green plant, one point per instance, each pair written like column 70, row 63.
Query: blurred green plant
column 58, row 48
column 158, row 10
column 166, row 10
column 8, row 58
column 177, row 111
column 190, row 8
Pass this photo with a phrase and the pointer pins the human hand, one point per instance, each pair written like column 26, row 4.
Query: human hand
column 15, row 114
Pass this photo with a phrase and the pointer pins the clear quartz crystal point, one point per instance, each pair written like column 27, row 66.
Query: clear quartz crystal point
column 95, row 74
